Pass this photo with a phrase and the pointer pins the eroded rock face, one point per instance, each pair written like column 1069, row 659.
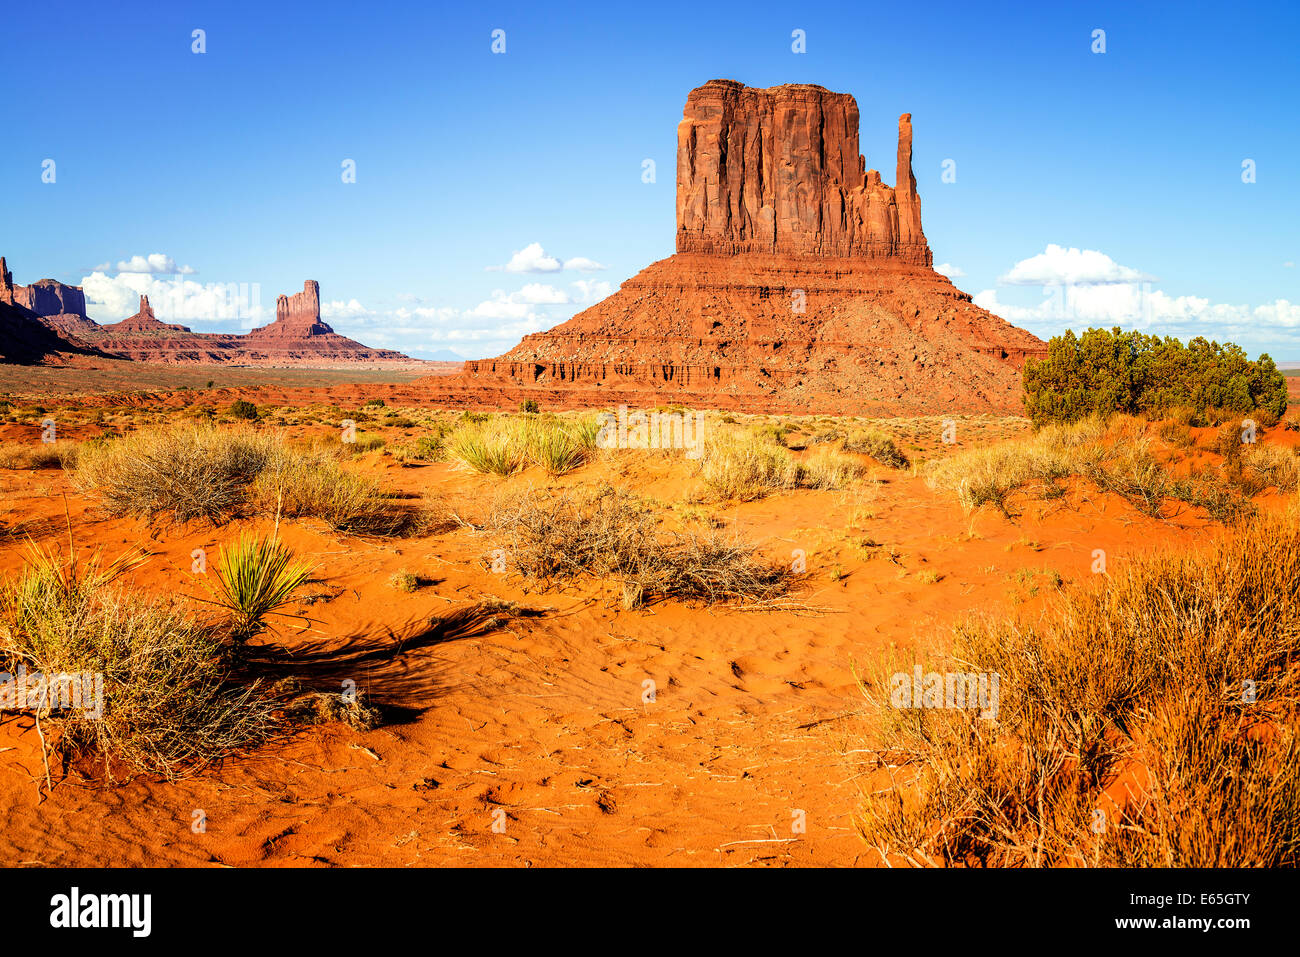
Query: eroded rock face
column 778, row 171
column 773, row 333
column 802, row 284
column 46, row 297
column 296, row 316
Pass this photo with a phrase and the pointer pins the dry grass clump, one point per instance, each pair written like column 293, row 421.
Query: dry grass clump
column 37, row 455
column 745, row 468
column 184, row 473
column 1149, row 721
column 1115, row 455
column 504, row 446
column 552, row 540
column 989, row 474
column 878, row 445
column 168, row 704
column 202, row 472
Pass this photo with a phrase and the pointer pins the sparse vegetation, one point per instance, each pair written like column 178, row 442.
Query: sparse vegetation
column 1128, row 700
column 204, row 473
column 879, row 446
column 168, row 702
column 253, row 579
column 746, row 468
column 553, row 540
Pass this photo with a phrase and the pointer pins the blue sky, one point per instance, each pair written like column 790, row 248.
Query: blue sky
column 1117, row 173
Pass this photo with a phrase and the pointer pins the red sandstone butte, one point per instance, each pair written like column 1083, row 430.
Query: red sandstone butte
column 802, row 283
column 297, row 337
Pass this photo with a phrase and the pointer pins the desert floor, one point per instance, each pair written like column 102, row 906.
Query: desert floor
column 541, row 714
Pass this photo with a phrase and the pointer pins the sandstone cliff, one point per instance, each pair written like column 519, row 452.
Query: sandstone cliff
column 802, row 283
column 778, row 171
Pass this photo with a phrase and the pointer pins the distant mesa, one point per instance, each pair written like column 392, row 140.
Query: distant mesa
column 801, row 283
column 297, row 337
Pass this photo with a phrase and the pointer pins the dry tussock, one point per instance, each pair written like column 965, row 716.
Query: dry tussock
column 1148, row 721
column 555, row 539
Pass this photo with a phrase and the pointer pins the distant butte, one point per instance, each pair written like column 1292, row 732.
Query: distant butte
column 297, row 337
column 801, row 283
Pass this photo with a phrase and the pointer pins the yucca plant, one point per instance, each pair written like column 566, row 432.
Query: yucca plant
column 253, row 579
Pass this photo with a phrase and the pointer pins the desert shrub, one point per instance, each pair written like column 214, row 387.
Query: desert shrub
column 879, row 446
column 1176, row 433
column 826, row 469
column 183, row 474
column 243, row 409
column 298, row 485
column 37, row 455
column 253, row 579
column 745, row 468
column 553, row 540
column 186, row 474
column 374, row 404
column 1105, row 371
column 1128, row 699
column 528, row 406
column 1114, row 456
column 493, row 448
column 169, row 705
column 404, row 580
column 989, row 474
column 364, row 443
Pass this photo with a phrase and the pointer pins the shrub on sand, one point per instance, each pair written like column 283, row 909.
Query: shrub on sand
column 168, row 703
column 879, row 446
column 1128, row 699
column 556, row 539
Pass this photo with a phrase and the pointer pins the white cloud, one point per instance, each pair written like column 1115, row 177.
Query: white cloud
column 110, row 298
column 949, row 270
column 1071, row 266
column 591, row 290
column 338, row 309
column 537, row 293
column 583, row 264
column 156, row 264
column 532, row 258
column 1085, row 288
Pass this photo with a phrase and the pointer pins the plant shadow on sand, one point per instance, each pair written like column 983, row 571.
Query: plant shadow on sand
column 392, row 666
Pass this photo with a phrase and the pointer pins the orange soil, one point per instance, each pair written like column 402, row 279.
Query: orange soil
column 542, row 717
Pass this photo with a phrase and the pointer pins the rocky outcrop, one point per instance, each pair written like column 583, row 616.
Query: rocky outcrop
column 297, row 337
column 778, row 333
column 144, row 322
column 299, row 333
column 46, row 297
column 296, row 316
column 802, row 283
column 778, row 171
